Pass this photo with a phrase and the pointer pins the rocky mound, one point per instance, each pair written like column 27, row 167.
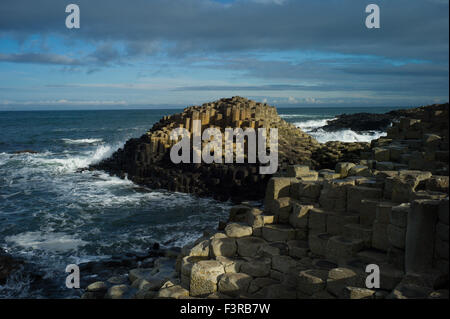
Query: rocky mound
column 360, row 122
column 419, row 141
column 146, row 160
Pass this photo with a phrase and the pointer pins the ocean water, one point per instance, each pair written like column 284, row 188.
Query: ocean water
column 53, row 216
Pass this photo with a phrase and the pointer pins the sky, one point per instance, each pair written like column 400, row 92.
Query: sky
column 157, row 53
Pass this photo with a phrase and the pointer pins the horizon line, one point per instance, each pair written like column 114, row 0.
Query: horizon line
column 23, row 108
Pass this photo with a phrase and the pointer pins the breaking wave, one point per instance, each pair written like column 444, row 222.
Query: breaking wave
column 66, row 216
column 82, row 141
column 313, row 127
column 58, row 242
column 310, row 125
column 345, row 136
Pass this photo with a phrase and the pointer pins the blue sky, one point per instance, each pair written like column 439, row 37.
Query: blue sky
column 150, row 53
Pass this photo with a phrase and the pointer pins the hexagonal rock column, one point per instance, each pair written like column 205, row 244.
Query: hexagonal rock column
column 339, row 248
column 234, row 284
column 258, row 267
column 311, row 281
column 297, row 170
column 172, row 292
column 204, row 277
column 186, row 268
column 223, row 247
column 358, row 293
column 274, row 233
column 249, row 246
column 338, row 279
column 420, row 235
column 318, row 243
column 277, row 187
column 237, row 230
column 356, row 194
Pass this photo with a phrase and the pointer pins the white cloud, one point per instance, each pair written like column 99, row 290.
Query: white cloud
column 311, row 100
column 278, row 2
column 292, row 100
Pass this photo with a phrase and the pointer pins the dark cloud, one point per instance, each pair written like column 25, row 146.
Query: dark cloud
column 412, row 69
column 104, row 54
column 348, row 75
column 40, row 58
column 413, row 29
column 273, row 87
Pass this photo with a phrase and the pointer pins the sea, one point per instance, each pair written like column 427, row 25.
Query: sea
column 52, row 215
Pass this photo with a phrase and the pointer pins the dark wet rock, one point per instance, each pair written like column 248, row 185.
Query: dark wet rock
column 360, row 122
column 25, row 152
column 93, row 295
column 19, row 270
column 363, row 122
column 98, row 286
column 104, row 269
column 324, row 264
column 118, row 280
column 8, row 265
column 114, row 271
column 147, row 263
column 222, row 224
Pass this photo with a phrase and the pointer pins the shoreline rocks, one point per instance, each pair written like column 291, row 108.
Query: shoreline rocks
column 305, row 250
column 363, row 122
column 8, row 265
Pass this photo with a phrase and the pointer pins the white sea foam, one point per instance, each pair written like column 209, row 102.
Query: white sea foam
column 345, row 136
column 69, row 217
column 313, row 127
column 58, row 242
column 67, row 162
column 72, row 163
column 312, row 124
column 82, row 141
